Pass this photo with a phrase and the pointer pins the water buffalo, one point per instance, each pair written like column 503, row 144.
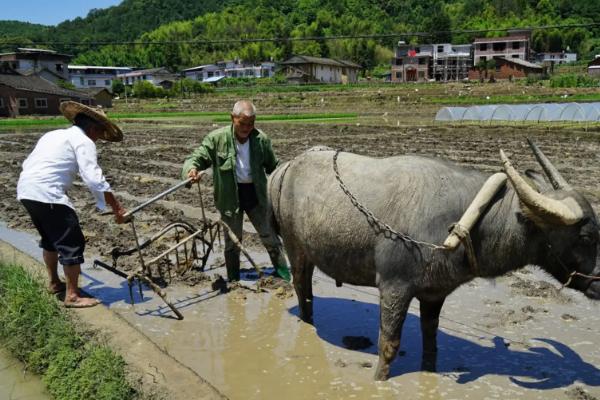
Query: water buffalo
column 543, row 222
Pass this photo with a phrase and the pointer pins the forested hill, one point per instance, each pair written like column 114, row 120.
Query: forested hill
column 126, row 21
column 214, row 21
column 18, row 29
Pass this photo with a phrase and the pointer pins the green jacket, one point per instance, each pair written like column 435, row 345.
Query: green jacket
column 218, row 150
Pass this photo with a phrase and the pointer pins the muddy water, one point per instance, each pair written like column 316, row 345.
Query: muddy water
column 15, row 384
column 494, row 343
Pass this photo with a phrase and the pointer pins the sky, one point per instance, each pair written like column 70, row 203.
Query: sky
column 49, row 12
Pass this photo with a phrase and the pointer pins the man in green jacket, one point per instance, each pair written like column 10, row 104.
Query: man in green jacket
column 241, row 156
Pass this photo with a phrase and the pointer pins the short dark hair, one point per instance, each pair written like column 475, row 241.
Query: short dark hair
column 85, row 122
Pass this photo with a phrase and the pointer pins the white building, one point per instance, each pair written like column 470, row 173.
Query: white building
column 203, row 73
column 308, row 69
column 157, row 76
column 89, row 76
column 230, row 69
column 555, row 58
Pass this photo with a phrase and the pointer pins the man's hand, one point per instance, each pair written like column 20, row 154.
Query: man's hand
column 195, row 175
column 119, row 211
column 120, row 216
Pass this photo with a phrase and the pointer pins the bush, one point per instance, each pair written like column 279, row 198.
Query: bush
column 146, row 90
column 573, row 80
column 187, row 86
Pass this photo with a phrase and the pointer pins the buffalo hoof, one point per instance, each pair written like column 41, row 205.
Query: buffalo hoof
column 382, row 373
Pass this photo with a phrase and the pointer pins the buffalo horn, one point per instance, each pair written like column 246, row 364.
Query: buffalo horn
column 558, row 182
column 566, row 211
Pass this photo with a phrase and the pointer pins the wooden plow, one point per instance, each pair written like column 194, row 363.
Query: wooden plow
column 192, row 247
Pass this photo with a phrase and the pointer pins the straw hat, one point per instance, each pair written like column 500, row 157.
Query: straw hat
column 70, row 109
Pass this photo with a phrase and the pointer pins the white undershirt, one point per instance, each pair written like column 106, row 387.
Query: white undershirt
column 49, row 171
column 242, row 162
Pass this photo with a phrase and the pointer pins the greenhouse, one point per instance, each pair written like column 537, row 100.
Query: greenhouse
column 576, row 112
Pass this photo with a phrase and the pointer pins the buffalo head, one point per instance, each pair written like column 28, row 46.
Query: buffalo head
column 565, row 227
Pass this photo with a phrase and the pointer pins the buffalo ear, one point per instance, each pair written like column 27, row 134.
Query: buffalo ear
column 539, row 181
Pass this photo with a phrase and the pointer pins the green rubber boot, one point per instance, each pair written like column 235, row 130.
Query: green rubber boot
column 283, row 272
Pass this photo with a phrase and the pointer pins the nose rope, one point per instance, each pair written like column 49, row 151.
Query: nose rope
column 573, row 273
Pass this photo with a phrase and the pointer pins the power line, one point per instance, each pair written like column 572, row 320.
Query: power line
column 299, row 39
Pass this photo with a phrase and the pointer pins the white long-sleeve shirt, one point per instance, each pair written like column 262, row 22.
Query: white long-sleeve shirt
column 49, row 171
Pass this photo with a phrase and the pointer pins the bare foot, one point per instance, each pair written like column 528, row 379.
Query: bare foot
column 57, row 287
column 81, row 302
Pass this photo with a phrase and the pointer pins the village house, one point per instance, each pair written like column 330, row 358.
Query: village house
column 88, row 76
column 308, row 69
column 102, row 96
column 157, row 76
column 505, row 68
column 33, row 95
column 442, row 62
column 552, row 58
column 594, row 67
column 507, row 47
column 412, row 63
column 48, row 64
column 211, row 73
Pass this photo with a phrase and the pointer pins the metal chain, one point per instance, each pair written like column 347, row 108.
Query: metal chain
column 378, row 226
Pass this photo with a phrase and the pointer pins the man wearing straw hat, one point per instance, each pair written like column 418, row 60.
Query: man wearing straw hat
column 48, row 173
column 240, row 156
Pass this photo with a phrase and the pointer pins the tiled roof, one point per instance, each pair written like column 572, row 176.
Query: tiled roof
column 523, row 62
column 34, row 83
column 320, row 61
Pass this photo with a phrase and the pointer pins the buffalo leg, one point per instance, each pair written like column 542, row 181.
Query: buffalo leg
column 430, row 318
column 393, row 306
column 302, row 272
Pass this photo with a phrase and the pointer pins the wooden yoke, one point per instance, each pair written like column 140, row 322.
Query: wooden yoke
column 475, row 210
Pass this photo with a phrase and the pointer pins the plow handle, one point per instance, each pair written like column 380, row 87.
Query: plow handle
column 159, row 196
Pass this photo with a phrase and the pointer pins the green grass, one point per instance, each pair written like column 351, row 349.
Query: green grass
column 35, row 329
column 208, row 116
column 25, row 122
column 294, row 117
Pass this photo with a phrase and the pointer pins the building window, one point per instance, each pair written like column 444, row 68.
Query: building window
column 421, row 74
column 422, row 61
column 516, row 45
column 210, row 74
column 59, row 67
column 515, row 56
column 23, row 103
column 417, row 50
column 499, row 46
column 398, row 75
column 1, row 102
column 82, row 81
column 483, row 46
column 440, row 49
column 107, row 82
column 41, row 103
column 92, row 82
column 399, row 61
column 482, row 58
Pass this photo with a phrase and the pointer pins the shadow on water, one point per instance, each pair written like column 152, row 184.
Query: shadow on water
column 550, row 366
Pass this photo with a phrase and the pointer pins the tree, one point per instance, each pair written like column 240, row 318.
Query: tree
column 118, row 87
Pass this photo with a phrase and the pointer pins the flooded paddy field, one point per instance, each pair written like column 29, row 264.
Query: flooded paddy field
column 515, row 337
